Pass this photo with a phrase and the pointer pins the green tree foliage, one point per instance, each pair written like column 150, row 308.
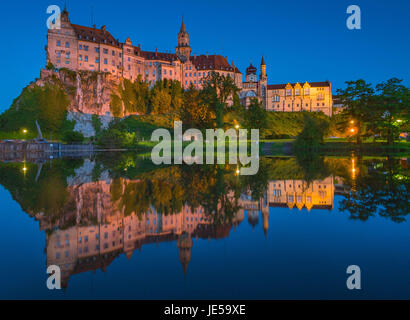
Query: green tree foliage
column 313, row 132
column 255, row 116
column 393, row 105
column 73, row 137
column 46, row 104
column 195, row 112
column 219, row 93
column 131, row 97
column 358, row 100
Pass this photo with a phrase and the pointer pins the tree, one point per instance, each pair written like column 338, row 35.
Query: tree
column 161, row 101
column 218, row 92
column 393, row 108
column 313, row 132
column 358, row 99
column 255, row 117
column 195, row 112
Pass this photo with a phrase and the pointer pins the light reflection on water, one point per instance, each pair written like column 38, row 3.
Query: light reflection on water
column 120, row 228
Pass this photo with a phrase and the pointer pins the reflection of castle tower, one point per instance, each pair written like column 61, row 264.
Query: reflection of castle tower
column 264, row 206
column 185, row 244
column 253, row 217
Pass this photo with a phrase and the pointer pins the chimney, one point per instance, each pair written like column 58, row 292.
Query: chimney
column 207, row 54
column 103, row 28
column 94, row 26
column 195, row 55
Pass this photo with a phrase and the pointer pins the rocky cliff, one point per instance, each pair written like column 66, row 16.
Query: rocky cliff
column 89, row 94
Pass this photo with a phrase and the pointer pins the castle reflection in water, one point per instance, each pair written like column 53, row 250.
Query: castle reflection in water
column 99, row 231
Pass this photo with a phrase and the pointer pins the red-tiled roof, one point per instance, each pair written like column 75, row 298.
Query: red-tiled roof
column 212, row 62
column 164, row 56
column 312, row 84
column 250, row 69
column 95, row 35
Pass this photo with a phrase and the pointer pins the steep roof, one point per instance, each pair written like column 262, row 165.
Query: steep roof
column 251, row 69
column 164, row 56
column 183, row 29
column 212, row 62
column 312, row 84
column 95, row 35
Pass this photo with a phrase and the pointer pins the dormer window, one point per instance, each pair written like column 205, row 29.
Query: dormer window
column 306, row 91
column 297, row 92
column 288, row 92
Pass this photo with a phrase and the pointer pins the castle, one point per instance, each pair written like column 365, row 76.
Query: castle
column 78, row 47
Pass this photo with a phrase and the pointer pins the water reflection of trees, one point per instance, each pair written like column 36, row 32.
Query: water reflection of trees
column 381, row 187
column 376, row 186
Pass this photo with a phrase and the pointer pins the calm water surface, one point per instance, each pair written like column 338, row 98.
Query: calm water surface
column 120, row 228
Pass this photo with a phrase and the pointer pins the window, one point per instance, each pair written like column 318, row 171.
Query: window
column 113, row 53
column 67, row 55
column 80, row 57
column 97, row 60
column 97, row 50
column 288, row 92
column 105, row 61
column 105, row 51
column 86, row 58
column 67, row 45
column 80, row 47
column 58, row 54
column 58, row 43
column 297, row 92
column 85, row 48
column 306, row 91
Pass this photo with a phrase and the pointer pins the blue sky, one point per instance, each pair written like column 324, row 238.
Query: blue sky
column 301, row 40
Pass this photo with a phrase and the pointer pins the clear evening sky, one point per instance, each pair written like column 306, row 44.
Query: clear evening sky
column 301, row 40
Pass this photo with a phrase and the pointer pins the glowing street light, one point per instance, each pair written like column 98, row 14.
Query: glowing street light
column 25, row 131
column 237, row 127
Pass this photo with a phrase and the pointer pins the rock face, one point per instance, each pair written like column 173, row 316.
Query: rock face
column 89, row 94
column 84, row 123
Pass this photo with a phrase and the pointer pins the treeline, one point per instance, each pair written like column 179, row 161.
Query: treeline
column 380, row 111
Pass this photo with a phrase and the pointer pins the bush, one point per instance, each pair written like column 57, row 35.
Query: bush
column 313, row 132
column 114, row 138
column 73, row 137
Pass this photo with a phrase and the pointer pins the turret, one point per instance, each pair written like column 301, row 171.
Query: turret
column 263, row 76
column 183, row 49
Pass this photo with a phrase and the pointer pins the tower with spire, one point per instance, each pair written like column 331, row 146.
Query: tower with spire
column 183, row 50
column 263, row 83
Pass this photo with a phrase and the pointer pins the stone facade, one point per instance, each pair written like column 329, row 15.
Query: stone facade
column 90, row 49
column 290, row 97
column 81, row 48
